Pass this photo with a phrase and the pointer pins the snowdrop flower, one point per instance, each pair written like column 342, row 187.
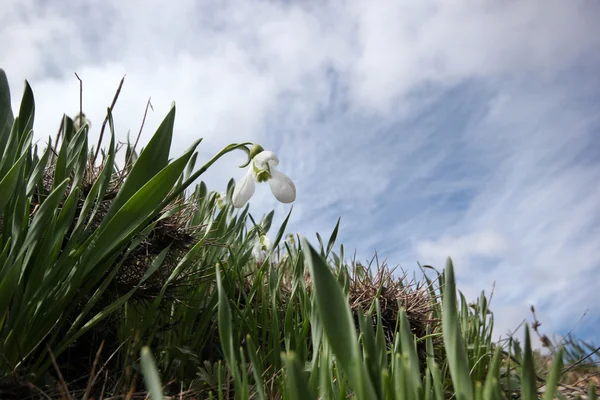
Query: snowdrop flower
column 262, row 169
column 291, row 239
column 80, row 120
column 221, row 199
column 261, row 248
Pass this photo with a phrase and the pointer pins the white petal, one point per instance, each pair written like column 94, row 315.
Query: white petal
column 282, row 187
column 265, row 157
column 256, row 252
column 265, row 243
column 243, row 190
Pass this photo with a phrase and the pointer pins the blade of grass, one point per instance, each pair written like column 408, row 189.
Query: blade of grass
column 552, row 380
column 26, row 111
column 337, row 322
column 409, row 350
column 490, row 389
column 151, row 376
column 256, row 368
column 141, row 206
column 528, row 378
column 6, row 114
column 9, row 182
column 333, row 237
column 457, row 356
column 226, row 333
column 298, row 388
column 151, row 161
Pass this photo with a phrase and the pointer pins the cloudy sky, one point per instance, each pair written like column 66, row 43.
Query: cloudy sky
column 460, row 128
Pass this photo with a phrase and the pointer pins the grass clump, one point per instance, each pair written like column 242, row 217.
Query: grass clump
column 133, row 281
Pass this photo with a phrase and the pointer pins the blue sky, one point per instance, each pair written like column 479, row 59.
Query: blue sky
column 468, row 129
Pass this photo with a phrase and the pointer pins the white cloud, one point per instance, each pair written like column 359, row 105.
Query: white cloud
column 404, row 44
column 462, row 249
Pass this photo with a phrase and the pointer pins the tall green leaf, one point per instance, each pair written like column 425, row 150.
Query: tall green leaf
column 150, row 162
column 333, row 237
column 455, row 348
column 297, row 384
column 528, row 383
column 9, row 182
column 141, row 206
column 226, row 332
column 26, row 112
column 151, row 376
column 6, row 114
column 337, row 322
column 552, row 380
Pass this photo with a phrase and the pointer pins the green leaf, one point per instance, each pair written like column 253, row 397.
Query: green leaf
column 38, row 171
column 152, row 160
column 151, row 376
column 60, row 167
column 552, row 380
column 455, row 349
column 434, row 369
column 141, row 206
column 8, row 183
column 16, row 147
column 279, row 235
column 490, row 388
column 528, row 383
column 98, row 191
column 8, row 285
column 191, row 165
column 337, row 321
column 380, row 336
column 409, row 351
column 26, row 111
column 226, row 332
column 4, row 257
column 321, row 246
column 592, row 391
column 370, row 350
column 265, row 224
column 297, row 385
column 257, row 370
column 333, row 237
column 74, row 333
column 47, row 211
column 18, row 223
column 6, row 114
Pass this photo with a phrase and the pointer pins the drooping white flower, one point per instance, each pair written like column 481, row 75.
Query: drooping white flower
column 291, row 239
column 262, row 169
column 80, row 120
column 261, row 248
column 221, row 199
